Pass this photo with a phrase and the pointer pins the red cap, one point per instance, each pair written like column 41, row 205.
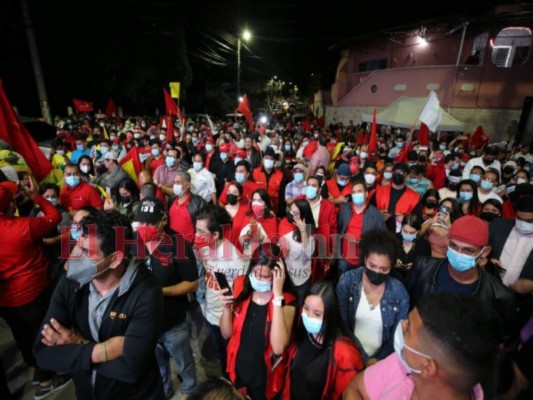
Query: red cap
column 224, row 148
column 471, row 230
column 241, row 154
column 465, row 157
column 438, row 157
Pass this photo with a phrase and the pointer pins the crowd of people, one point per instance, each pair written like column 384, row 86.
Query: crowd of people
column 322, row 268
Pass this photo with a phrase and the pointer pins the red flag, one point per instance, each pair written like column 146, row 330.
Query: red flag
column 244, row 109
column 170, row 104
column 170, row 129
column 111, row 108
column 131, row 163
column 82, row 106
column 479, row 138
column 361, row 138
column 402, row 156
column 373, row 141
column 321, row 122
column 306, row 125
column 13, row 132
column 423, row 135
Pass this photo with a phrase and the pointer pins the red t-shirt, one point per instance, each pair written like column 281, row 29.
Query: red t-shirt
column 180, row 219
column 350, row 243
column 156, row 163
column 80, row 196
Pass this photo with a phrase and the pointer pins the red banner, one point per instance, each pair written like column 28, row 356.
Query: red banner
column 82, row 106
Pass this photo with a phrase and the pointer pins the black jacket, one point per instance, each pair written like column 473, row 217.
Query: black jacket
column 422, row 279
column 136, row 314
column 195, row 204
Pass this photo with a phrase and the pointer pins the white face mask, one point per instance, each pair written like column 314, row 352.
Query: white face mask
column 370, row 179
column 525, row 228
column 84, row 168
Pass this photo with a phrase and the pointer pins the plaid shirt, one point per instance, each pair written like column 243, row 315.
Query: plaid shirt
column 293, row 190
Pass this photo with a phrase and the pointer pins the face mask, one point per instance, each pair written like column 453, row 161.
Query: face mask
column 197, row 166
column 169, row 161
column 177, row 189
column 223, row 156
column 60, row 152
column 430, row 204
column 115, row 147
column 387, row 175
column 304, row 144
column 488, row 216
column 83, row 270
column 239, row 177
column 525, row 228
column 399, row 144
column 290, row 217
column 79, row 147
column 475, row 177
column 312, row 325
column 399, row 345
column 374, row 277
column 455, row 167
column 201, row 241
column 104, row 150
column 398, row 179
column 519, row 181
column 407, row 237
column 287, row 147
column 268, row 163
column 155, row 152
column 413, row 181
column 259, row 286
column 298, row 177
column 75, row 233
column 341, row 182
column 363, row 155
column 442, row 147
column 147, row 233
column 486, row 185
column 358, row 199
column 486, row 162
column 137, row 135
column 72, row 181
column 125, row 199
column 461, row 262
column 370, row 179
column 278, row 164
column 194, row 140
column 53, row 200
column 258, row 209
column 465, row 196
column 162, row 137
column 311, row 192
column 237, row 160
column 208, row 147
column 232, row 199
column 84, row 168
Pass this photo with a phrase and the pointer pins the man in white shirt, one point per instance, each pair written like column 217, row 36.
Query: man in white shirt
column 487, row 160
column 202, row 181
column 524, row 153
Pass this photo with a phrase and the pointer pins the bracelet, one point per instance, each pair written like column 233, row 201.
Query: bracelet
column 105, row 351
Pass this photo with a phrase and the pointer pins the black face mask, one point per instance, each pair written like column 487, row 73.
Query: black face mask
column 488, row 216
column 398, row 179
column 232, row 199
column 453, row 186
column 430, row 204
column 486, row 162
column 374, row 277
column 125, row 199
column 290, row 217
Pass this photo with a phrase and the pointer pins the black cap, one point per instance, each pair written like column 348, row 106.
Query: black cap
column 270, row 152
column 151, row 210
column 401, row 166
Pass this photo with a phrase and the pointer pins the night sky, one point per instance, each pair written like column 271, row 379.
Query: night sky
column 131, row 49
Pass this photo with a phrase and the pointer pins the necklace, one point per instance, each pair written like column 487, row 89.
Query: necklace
column 372, row 304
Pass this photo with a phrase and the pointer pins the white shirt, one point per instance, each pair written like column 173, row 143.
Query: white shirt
column 484, row 197
column 226, row 260
column 298, row 258
column 202, row 183
column 445, row 192
column 478, row 162
column 368, row 325
column 528, row 157
column 515, row 252
column 316, row 210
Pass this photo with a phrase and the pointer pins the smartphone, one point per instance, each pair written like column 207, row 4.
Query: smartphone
column 223, row 282
column 443, row 212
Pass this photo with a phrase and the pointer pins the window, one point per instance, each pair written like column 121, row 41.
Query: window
column 373, row 65
column 511, row 46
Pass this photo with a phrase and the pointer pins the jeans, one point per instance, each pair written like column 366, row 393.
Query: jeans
column 220, row 344
column 177, row 343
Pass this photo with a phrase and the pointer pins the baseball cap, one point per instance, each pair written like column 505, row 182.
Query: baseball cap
column 300, row 166
column 110, row 155
column 151, row 210
column 344, row 170
column 470, row 229
column 224, row 148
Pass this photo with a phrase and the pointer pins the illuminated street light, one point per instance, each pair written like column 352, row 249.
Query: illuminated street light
column 246, row 36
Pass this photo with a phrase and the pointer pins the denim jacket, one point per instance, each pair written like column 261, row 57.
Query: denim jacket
column 394, row 307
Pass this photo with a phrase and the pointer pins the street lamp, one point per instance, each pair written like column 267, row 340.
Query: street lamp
column 246, row 36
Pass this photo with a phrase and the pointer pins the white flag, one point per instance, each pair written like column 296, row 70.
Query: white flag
column 431, row 114
column 214, row 130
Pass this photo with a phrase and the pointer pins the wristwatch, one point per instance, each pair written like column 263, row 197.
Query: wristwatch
column 278, row 301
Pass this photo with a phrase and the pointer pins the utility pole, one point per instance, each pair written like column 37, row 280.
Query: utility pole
column 238, row 67
column 36, row 63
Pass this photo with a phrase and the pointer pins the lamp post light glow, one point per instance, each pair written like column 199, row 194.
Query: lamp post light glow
column 246, row 36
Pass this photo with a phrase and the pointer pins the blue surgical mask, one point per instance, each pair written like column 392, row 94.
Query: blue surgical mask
column 312, row 325
column 75, row 233
column 72, row 181
column 155, row 152
column 197, row 166
column 486, row 185
column 239, row 177
column 465, row 196
column 341, row 182
column 104, row 150
column 387, row 175
column 358, row 199
column 407, row 237
column 475, row 177
column 412, row 181
column 223, row 156
column 399, row 144
column 259, row 286
column 53, row 200
column 399, row 345
column 442, row 147
column 298, row 177
column 268, row 163
column 455, row 167
column 287, row 147
column 169, row 161
column 461, row 262
column 79, row 147
column 311, row 192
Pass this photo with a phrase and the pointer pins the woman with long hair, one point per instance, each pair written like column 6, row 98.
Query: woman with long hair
column 295, row 237
column 412, row 246
column 468, row 197
column 127, row 199
column 322, row 360
column 257, row 319
column 430, row 202
column 86, row 167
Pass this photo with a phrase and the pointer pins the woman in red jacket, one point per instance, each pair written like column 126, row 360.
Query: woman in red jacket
column 319, row 346
column 257, row 319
